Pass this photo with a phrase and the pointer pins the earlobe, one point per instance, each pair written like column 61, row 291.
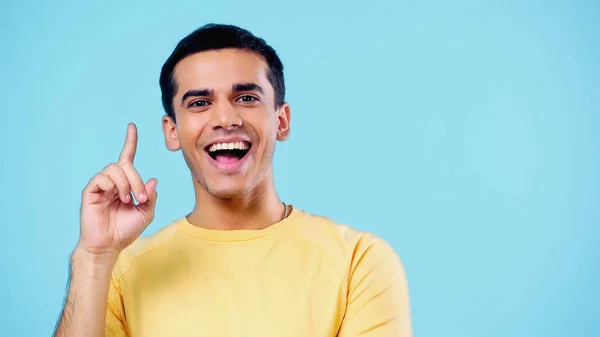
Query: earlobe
column 170, row 132
column 283, row 122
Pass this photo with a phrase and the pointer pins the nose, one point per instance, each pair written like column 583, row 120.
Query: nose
column 225, row 116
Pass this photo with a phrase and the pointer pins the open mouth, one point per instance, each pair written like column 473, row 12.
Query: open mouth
column 228, row 153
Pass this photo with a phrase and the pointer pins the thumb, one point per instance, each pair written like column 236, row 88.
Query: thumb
column 148, row 207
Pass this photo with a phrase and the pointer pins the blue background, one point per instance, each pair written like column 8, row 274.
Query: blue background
column 466, row 134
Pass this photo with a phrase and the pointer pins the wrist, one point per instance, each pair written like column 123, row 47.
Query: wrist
column 95, row 255
column 95, row 264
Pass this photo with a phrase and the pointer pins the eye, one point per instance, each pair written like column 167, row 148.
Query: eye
column 247, row 98
column 199, row 104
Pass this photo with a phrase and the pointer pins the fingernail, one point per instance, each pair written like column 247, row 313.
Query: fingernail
column 142, row 196
column 127, row 197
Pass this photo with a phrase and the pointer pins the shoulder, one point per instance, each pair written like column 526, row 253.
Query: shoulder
column 143, row 246
column 353, row 247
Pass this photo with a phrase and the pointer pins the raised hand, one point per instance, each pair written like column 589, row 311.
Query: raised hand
column 110, row 218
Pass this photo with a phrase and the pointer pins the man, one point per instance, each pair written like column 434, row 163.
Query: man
column 242, row 263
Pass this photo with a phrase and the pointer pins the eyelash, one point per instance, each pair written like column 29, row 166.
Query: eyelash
column 194, row 103
column 254, row 98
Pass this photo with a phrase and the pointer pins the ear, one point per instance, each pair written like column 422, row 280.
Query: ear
column 283, row 122
column 170, row 131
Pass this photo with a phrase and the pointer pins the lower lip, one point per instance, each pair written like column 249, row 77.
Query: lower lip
column 229, row 168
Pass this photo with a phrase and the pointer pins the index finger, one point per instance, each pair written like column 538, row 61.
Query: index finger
column 128, row 152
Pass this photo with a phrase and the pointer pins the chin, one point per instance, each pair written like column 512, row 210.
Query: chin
column 226, row 187
column 227, row 193
column 230, row 187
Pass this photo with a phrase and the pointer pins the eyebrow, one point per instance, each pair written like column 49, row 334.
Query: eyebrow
column 195, row 93
column 247, row 87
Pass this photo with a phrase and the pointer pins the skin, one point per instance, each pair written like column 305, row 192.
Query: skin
column 111, row 219
column 247, row 198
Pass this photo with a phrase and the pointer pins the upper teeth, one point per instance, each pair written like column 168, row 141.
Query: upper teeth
column 228, row 146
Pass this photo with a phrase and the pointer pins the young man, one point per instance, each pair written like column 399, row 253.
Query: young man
column 242, row 263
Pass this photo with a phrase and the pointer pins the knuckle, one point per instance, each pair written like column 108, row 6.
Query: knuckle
column 96, row 177
column 126, row 164
column 122, row 164
column 92, row 181
column 111, row 170
column 110, row 166
column 114, row 171
column 117, row 174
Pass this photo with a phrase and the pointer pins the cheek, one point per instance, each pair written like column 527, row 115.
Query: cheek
column 192, row 123
column 189, row 133
column 264, row 125
column 267, row 143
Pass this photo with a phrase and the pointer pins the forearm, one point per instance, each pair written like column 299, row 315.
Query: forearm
column 84, row 312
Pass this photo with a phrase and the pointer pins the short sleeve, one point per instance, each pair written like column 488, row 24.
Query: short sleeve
column 115, row 312
column 378, row 297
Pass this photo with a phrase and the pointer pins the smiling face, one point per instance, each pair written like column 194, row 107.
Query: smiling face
column 226, row 122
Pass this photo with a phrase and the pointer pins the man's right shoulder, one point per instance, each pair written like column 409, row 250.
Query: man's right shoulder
column 143, row 246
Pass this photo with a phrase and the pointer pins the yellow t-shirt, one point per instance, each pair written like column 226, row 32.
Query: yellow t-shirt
column 304, row 276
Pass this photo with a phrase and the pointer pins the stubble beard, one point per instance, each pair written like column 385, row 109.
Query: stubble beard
column 265, row 168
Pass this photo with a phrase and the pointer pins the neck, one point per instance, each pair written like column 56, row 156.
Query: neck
column 259, row 209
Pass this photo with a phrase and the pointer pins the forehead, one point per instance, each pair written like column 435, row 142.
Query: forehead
column 220, row 69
